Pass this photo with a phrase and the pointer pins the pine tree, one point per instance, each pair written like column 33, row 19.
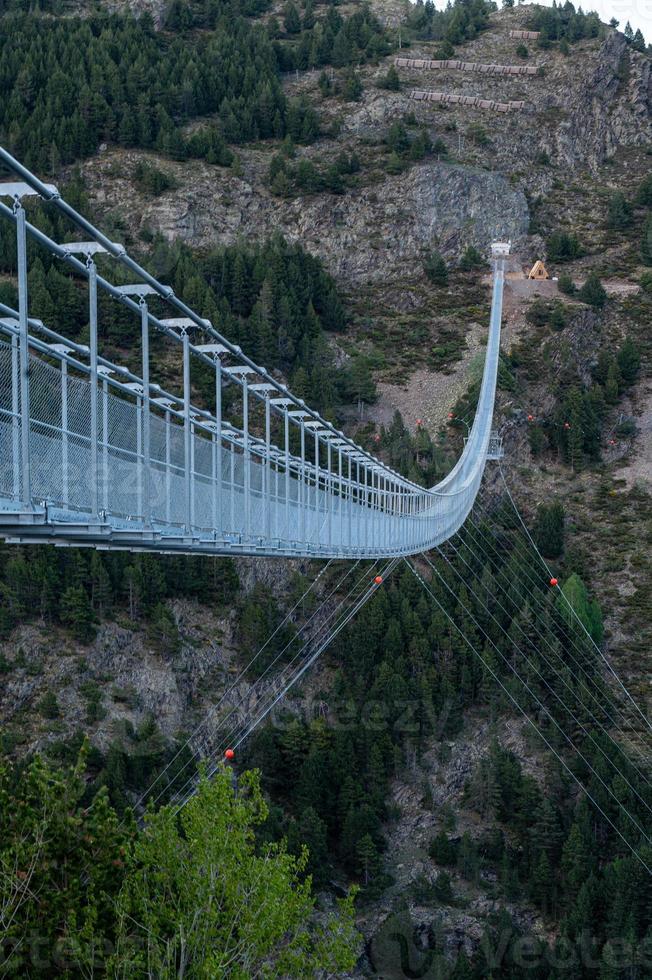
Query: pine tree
column 436, row 270
column 76, row 612
column 619, row 212
column 541, row 884
column 593, row 292
column 291, row 19
column 629, row 361
column 367, row 855
column 549, row 529
column 646, row 240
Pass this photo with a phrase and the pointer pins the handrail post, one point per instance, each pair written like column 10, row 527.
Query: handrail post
column 304, row 488
column 287, row 471
column 218, row 445
column 23, row 351
column 341, row 497
column 268, row 465
column 350, row 498
column 168, row 467
column 147, row 482
column 246, row 455
column 187, row 434
column 64, row 431
column 317, row 508
column 92, row 302
column 329, row 494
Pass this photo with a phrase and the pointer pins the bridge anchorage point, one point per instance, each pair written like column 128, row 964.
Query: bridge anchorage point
column 496, row 450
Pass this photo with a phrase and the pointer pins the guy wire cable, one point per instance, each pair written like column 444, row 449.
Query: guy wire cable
column 215, row 707
column 302, row 649
column 574, row 614
column 483, row 541
column 534, row 696
column 598, row 681
column 552, row 690
column 310, row 642
column 409, row 562
column 231, row 687
column 323, row 643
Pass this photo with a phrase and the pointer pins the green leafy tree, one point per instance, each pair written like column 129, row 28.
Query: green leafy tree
column 576, row 603
column 218, row 902
column 62, row 859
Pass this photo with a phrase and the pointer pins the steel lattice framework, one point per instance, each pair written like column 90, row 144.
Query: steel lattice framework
column 92, row 454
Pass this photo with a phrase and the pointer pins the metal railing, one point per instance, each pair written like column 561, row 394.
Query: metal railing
column 92, row 453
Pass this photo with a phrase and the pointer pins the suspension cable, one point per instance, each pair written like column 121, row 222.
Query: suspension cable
column 309, row 642
column 560, row 759
column 485, row 542
column 347, row 616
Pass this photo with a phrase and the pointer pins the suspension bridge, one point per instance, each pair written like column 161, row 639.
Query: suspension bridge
column 95, row 454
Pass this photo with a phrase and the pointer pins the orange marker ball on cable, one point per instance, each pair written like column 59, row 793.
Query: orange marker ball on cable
column 378, row 580
column 554, row 581
column 229, row 755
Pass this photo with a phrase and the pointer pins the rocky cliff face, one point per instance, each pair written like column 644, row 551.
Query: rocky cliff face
column 580, row 110
column 612, row 108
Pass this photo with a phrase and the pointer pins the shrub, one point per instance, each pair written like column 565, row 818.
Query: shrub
column 566, row 284
column 522, row 51
column 391, row 80
column 478, row 134
column 151, row 180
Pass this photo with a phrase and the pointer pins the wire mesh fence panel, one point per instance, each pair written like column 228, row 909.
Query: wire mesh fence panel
column 10, row 475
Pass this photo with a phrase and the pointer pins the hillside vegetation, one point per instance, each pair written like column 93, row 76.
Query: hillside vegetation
column 460, row 788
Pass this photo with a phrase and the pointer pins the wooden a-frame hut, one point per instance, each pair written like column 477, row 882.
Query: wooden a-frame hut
column 538, row 271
